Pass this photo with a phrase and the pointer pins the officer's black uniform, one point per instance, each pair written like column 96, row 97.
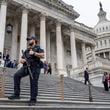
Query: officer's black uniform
column 35, row 65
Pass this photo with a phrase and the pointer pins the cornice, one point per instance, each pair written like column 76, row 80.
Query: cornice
column 81, row 27
column 60, row 5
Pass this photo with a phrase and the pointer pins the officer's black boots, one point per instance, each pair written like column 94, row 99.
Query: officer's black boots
column 13, row 97
column 32, row 103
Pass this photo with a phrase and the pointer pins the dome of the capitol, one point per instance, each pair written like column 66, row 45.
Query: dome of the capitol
column 103, row 25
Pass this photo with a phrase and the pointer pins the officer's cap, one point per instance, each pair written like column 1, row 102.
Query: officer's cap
column 31, row 38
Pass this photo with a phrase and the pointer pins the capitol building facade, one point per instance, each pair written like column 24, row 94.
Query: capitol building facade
column 102, row 29
column 69, row 46
column 102, row 48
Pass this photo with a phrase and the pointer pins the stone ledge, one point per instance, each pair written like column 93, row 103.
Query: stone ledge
column 56, row 101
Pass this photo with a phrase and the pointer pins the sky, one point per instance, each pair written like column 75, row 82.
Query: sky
column 88, row 10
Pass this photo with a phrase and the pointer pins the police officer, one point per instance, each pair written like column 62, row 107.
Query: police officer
column 33, row 54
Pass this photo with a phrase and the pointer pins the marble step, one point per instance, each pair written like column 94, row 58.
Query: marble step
column 52, row 105
column 67, row 98
column 27, row 92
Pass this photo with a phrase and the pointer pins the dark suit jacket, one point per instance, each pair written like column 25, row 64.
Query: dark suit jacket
column 86, row 75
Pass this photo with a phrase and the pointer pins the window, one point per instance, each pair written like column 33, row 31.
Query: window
column 96, row 30
column 100, row 29
column 106, row 28
column 103, row 28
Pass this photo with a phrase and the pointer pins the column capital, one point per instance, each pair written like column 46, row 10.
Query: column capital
column 25, row 8
column 83, row 43
column 58, row 23
column 71, row 27
column 4, row 2
column 43, row 16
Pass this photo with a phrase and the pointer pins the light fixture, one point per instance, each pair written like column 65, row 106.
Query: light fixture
column 9, row 28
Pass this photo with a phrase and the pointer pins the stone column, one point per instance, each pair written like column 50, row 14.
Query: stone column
column 99, row 46
column 73, row 49
column 3, row 12
column 32, row 30
column 108, row 43
column 104, row 55
column 93, row 53
column 24, row 28
column 60, row 51
column 103, row 43
column 14, row 44
column 84, row 53
column 43, row 34
column 48, row 46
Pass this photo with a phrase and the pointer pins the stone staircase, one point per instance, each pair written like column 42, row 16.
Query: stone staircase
column 76, row 95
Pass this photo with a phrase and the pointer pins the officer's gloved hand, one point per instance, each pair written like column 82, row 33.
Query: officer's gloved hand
column 31, row 52
column 22, row 60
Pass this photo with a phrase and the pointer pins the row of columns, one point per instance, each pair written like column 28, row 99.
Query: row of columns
column 23, row 43
column 103, row 43
column 104, row 55
column 24, row 29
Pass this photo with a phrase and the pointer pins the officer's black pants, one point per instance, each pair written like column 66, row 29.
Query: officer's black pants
column 33, row 82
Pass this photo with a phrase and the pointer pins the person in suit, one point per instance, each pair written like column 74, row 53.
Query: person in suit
column 86, row 76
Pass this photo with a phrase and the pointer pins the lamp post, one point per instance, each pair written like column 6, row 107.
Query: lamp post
column 9, row 28
column 89, row 87
column 90, row 93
